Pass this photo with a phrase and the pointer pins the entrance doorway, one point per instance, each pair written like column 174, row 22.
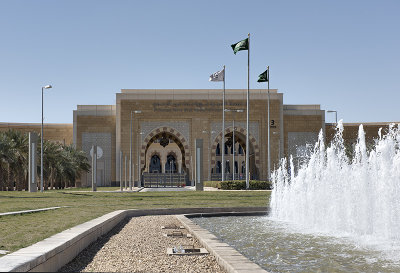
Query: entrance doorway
column 165, row 162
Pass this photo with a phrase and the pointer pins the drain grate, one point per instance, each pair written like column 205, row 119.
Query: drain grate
column 186, row 250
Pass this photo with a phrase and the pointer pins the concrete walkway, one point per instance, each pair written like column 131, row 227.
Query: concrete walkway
column 168, row 189
column 29, row 211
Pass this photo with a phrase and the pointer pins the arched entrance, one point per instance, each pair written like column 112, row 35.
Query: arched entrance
column 169, row 147
column 239, row 148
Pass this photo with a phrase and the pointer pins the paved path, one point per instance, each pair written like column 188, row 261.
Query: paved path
column 28, row 211
column 140, row 246
column 168, row 189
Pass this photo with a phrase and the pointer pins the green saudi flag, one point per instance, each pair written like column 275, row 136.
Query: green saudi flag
column 263, row 77
column 242, row 45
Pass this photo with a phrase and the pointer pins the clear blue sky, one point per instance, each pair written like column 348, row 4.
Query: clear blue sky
column 344, row 55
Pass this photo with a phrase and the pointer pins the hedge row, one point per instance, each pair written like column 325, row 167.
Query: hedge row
column 239, row 185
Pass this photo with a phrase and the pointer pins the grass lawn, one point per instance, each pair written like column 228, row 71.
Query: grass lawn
column 23, row 230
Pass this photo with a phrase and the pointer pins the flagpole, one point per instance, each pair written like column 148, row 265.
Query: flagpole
column 268, row 124
column 247, row 114
column 223, row 131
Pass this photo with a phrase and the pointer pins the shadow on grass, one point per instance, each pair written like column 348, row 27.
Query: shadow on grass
column 83, row 194
column 79, row 263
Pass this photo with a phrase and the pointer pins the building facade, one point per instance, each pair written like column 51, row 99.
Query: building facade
column 56, row 132
column 156, row 130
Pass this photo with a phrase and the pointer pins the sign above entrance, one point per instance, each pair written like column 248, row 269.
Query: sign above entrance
column 187, row 106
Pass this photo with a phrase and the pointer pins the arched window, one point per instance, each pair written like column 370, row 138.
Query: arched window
column 240, row 150
column 232, row 148
column 218, row 167
column 170, row 165
column 218, row 150
column 243, row 167
column 236, row 167
column 226, row 149
column 155, row 165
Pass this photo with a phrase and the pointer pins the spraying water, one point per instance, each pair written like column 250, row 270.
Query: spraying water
column 357, row 198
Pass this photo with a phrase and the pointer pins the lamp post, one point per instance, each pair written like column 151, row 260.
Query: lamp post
column 333, row 111
column 233, row 137
column 138, row 156
column 120, row 171
column 41, row 146
column 130, row 150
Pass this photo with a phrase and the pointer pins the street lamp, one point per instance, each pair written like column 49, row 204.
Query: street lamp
column 333, row 111
column 41, row 148
column 130, row 147
column 138, row 156
column 233, row 138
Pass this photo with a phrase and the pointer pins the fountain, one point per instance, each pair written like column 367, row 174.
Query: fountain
column 334, row 213
column 357, row 198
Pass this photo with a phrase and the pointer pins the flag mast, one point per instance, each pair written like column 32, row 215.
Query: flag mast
column 264, row 77
column 245, row 45
column 218, row 77
column 223, row 131
column 247, row 114
column 268, row 124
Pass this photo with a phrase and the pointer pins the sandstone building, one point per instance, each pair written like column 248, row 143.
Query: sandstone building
column 169, row 122
column 158, row 129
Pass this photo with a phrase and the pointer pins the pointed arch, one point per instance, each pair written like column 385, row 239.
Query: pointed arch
column 242, row 131
column 174, row 135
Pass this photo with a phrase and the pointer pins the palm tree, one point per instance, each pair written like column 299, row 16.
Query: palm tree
column 79, row 163
column 7, row 156
column 62, row 165
column 52, row 157
column 19, row 166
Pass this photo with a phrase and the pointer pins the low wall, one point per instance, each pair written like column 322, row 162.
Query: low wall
column 56, row 251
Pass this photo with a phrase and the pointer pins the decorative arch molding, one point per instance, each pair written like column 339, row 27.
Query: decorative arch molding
column 155, row 153
column 177, row 136
column 242, row 131
column 173, row 154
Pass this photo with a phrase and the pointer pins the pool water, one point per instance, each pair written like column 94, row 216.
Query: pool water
column 279, row 247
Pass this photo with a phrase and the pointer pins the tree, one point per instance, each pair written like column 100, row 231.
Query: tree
column 62, row 164
column 19, row 164
column 7, row 156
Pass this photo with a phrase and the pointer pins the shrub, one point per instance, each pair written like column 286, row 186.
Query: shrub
column 259, row 185
column 241, row 185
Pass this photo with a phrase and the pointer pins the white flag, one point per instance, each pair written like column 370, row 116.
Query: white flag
column 218, row 76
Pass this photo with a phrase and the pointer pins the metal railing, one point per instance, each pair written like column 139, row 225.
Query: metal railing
column 163, row 180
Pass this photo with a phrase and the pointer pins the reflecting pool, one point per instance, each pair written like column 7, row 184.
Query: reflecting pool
column 279, row 246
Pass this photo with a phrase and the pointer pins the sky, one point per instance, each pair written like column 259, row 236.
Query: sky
column 343, row 55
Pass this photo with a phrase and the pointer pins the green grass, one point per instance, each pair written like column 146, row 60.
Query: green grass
column 23, row 230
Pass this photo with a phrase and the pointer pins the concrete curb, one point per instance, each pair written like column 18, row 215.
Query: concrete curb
column 56, row 251
column 227, row 257
column 29, row 211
